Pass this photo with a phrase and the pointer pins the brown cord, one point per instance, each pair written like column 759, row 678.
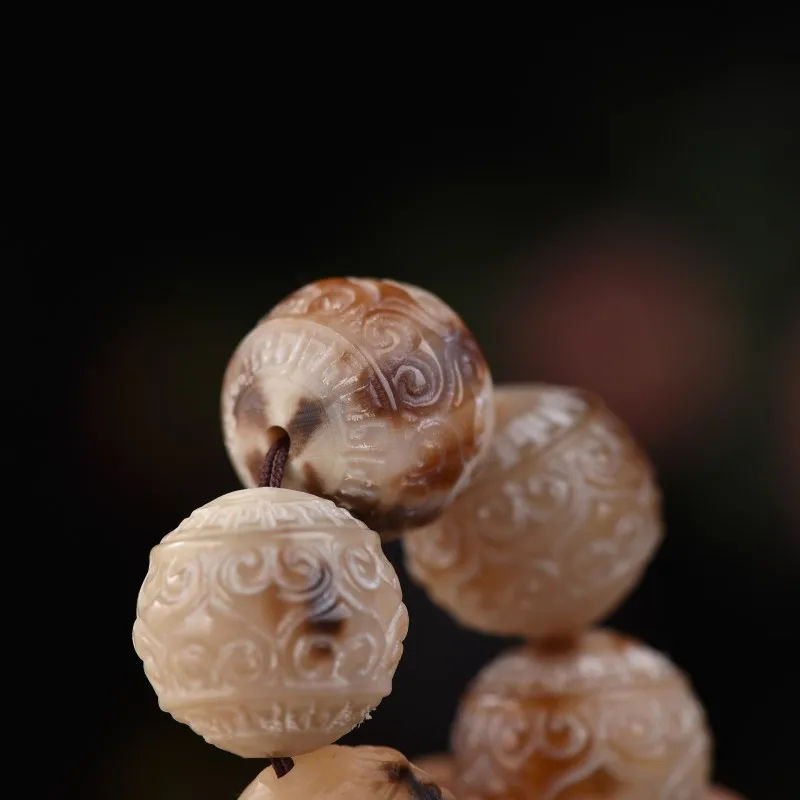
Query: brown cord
column 275, row 464
column 271, row 478
column 282, row 766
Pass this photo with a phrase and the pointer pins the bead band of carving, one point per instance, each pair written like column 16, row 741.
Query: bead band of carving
column 610, row 718
column 555, row 529
column 271, row 622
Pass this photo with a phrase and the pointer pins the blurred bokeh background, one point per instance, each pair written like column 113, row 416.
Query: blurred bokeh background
column 625, row 222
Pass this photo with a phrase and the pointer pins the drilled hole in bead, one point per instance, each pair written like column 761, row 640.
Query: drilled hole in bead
column 275, row 434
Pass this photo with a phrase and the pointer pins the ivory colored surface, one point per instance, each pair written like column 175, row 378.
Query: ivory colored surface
column 270, row 622
column 603, row 717
column 384, row 393
column 349, row 773
column 555, row 530
column 440, row 767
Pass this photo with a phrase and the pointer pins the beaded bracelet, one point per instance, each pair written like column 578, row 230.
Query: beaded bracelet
column 271, row 622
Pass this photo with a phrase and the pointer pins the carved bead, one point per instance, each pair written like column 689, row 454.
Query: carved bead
column 384, row 393
column 600, row 716
column 555, row 530
column 271, row 622
column 347, row 773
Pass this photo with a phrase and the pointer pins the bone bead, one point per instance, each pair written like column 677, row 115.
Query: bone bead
column 384, row 393
column 270, row 622
column 556, row 529
column 348, row 773
column 602, row 716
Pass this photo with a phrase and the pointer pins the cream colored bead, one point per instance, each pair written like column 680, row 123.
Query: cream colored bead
column 347, row 773
column 601, row 716
column 384, row 393
column 555, row 530
column 270, row 622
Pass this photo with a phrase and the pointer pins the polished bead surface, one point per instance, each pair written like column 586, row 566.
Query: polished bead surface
column 349, row 773
column 601, row 716
column 384, row 393
column 554, row 531
column 270, row 621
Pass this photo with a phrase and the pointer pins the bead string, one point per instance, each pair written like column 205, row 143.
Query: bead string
column 271, row 478
column 282, row 766
column 275, row 464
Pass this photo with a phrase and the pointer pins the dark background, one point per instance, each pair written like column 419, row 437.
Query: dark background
column 625, row 219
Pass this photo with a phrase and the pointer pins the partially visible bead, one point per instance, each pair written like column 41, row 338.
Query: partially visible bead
column 441, row 767
column 348, row 773
column 599, row 716
column 384, row 393
column 271, row 622
column 555, row 530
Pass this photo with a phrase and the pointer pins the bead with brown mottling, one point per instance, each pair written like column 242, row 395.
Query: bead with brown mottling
column 348, row 773
column 384, row 393
column 601, row 717
column 556, row 528
column 441, row 767
column 271, row 622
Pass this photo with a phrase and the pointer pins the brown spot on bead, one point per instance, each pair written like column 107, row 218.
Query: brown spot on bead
column 321, row 651
column 255, row 463
column 388, row 522
column 250, row 409
column 401, row 774
column 307, row 419
column 312, row 483
column 330, row 627
column 601, row 783
column 394, row 290
column 391, row 522
column 326, row 615
column 439, row 469
column 274, row 606
column 623, row 643
column 543, row 771
column 557, row 645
